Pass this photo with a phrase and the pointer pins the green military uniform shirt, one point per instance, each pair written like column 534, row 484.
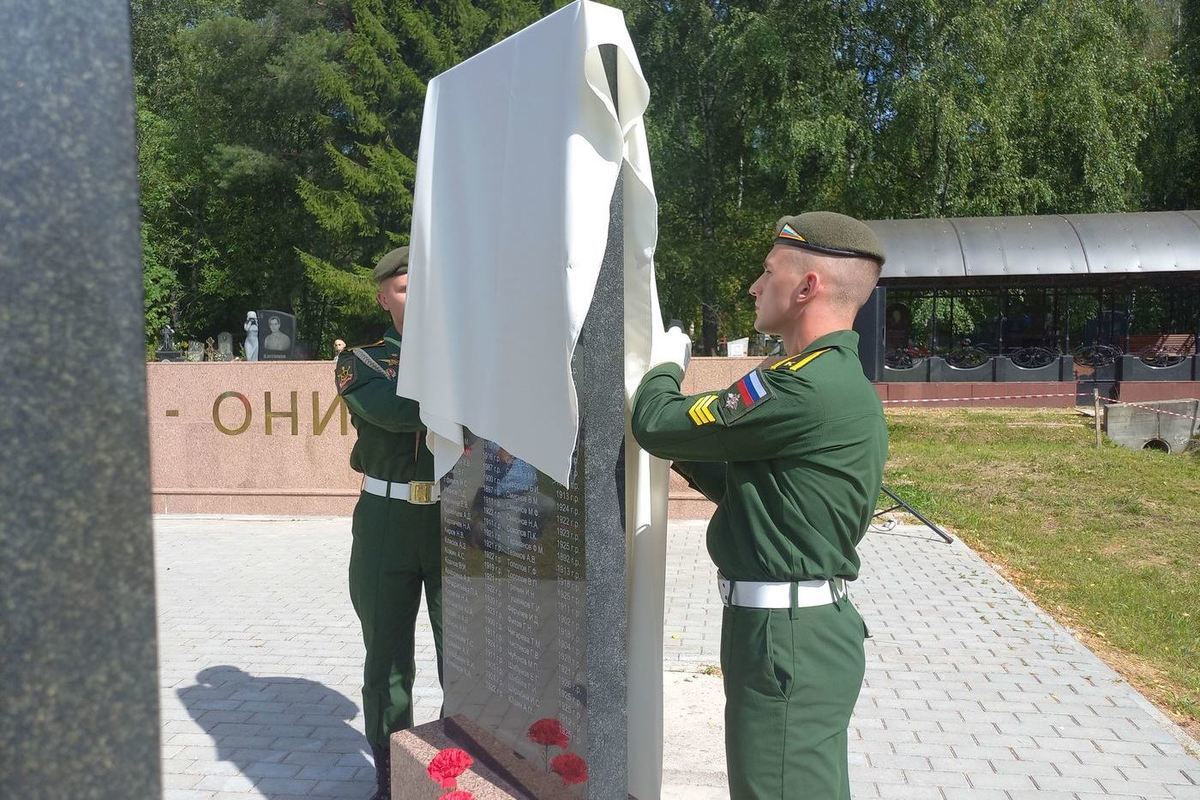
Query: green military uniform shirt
column 792, row 454
column 391, row 436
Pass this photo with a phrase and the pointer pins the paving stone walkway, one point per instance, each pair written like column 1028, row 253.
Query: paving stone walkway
column 971, row 691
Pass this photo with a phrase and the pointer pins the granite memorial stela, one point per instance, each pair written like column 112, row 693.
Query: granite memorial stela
column 534, row 620
column 537, row 634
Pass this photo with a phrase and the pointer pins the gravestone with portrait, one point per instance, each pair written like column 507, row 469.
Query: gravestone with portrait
column 276, row 335
column 534, row 590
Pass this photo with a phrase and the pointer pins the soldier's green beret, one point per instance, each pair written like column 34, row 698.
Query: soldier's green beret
column 394, row 263
column 830, row 233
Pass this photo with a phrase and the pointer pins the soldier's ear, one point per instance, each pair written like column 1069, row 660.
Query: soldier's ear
column 381, row 299
column 807, row 287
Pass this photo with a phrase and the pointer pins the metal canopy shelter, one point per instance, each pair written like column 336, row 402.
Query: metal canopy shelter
column 1053, row 249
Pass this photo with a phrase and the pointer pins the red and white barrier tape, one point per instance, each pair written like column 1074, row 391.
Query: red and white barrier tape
column 1147, row 407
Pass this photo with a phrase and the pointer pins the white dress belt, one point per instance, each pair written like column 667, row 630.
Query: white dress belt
column 768, row 594
column 421, row 493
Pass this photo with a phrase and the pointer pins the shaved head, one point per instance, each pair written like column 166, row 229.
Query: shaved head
column 848, row 281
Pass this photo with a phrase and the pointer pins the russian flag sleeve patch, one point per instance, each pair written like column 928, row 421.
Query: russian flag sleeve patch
column 750, row 392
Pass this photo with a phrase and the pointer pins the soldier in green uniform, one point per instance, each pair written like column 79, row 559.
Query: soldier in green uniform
column 793, row 455
column 397, row 545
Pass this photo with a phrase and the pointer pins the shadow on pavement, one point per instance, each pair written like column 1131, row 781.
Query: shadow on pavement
column 286, row 736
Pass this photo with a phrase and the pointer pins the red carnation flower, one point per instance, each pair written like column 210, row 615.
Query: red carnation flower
column 570, row 767
column 447, row 765
column 549, row 732
column 457, row 794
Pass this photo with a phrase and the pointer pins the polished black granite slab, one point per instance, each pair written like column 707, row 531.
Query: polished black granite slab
column 534, row 574
column 77, row 620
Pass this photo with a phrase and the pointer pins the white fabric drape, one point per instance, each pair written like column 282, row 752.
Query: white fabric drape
column 520, row 151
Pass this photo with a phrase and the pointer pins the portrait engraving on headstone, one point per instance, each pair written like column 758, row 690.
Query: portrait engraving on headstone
column 276, row 335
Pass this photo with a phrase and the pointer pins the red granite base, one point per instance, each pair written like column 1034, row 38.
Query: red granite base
column 497, row 773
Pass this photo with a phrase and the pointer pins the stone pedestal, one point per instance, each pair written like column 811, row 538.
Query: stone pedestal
column 498, row 773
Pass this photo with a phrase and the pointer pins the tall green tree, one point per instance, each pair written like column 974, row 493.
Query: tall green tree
column 360, row 192
column 1171, row 158
column 279, row 141
column 900, row 109
column 229, row 108
column 278, row 137
column 713, row 70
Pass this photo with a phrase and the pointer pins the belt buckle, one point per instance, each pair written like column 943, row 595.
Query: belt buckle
column 420, row 492
column 724, row 588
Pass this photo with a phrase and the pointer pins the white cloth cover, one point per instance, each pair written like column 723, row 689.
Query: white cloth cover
column 520, row 151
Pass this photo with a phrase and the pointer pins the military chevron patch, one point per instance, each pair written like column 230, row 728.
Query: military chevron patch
column 701, row 410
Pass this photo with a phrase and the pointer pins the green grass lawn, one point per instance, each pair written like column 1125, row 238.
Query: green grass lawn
column 1106, row 540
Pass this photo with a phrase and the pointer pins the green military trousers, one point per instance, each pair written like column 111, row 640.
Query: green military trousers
column 792, row 678
column 397, row 550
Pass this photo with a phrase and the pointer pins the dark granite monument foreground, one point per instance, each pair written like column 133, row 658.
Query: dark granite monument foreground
column 77, row 623
column 534, row 591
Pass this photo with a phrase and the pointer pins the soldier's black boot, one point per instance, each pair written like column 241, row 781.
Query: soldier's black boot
column 383, row 773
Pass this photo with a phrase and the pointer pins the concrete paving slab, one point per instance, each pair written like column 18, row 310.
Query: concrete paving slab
column 971, row 690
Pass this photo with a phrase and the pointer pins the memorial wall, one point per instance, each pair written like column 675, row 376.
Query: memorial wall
column 249, row 438
column 274, row 438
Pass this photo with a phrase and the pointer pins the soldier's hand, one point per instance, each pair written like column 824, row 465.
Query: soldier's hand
column 673, row 347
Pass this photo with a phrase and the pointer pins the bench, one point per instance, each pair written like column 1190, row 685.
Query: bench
column 1175, row 343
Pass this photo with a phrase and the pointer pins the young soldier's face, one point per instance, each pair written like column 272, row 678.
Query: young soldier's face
column 776, row 292
column 393, row 295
